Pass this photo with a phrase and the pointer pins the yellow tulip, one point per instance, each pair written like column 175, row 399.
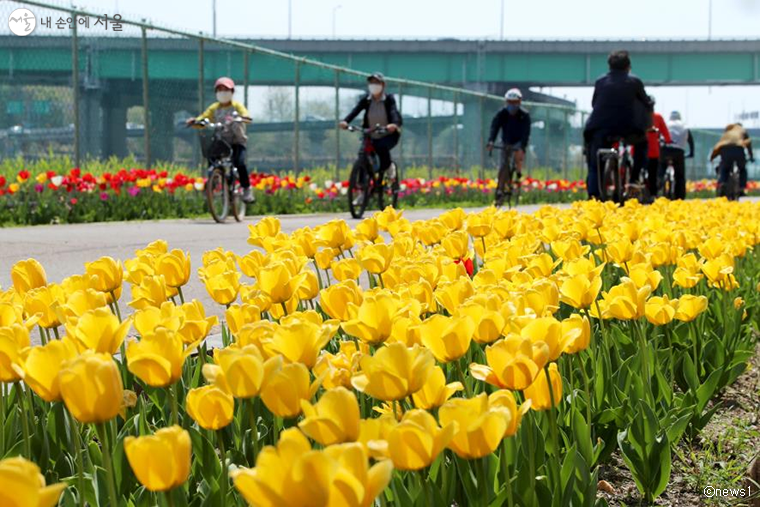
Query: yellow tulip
column 580, row 292
column 538, row 392
column 624, row 301
column 689, row 307
column 394, row 372
column 547, row 330
column 11, row 314
column 223, row 288
column 44, row 302
column 79, row 302
column 448, row 338
column 168, row 316
column 375, row 257
column 451, row 295
column 660, row 310
column 643, row 274
column 161, row 462
column 719, row 272
column 300, row 340
column 99, row 330
column 479, row 224
column 157, row 359
column 513, row 363
column 309, row 288
column 334, row 419
column 333, row 234
column 291, row 474
column 337, row 369
column 107, row 274
column 283, row 393
column 24, row 486
column 372, row 321
column 417, row 440
column 429, row 232
column 43, row 364
column 505, row 400
column 336, row 299
column 210, row 406
column 346, row 269
column 278, row 282
column 91, row 387
column 489, row 323
column 479, row 429
column 175, row 267
column 620, row 251
column 686, row 278
column 152, row 291
column 367, row 230
column 238, row 316
column 576, row 333
column 712, row 248
column 305, row 239
column 324, row 257
column 196, row 325
column 251, row 263
column 245, row 369
column 435, row 391
column 27, row 275
column 453, row 218
column 13, row 340
column 263, row 231
column 455, row 244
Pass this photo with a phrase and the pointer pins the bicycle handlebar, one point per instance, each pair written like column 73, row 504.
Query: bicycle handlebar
column 376, row 129
column 206, row 123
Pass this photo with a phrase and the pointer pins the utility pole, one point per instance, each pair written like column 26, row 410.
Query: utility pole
column 334, row 14
column 214, row 17
column 709, row 21
column 290, row 19
column 501, row 31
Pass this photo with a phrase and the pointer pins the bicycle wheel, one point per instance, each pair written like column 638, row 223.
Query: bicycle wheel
column 359, row 189
column 669, row 185
column 732, row 186
column 217, row 195
column 389, row 188
column 609, row 180
column 502, row 189
column 236, row 198
column 515, row 188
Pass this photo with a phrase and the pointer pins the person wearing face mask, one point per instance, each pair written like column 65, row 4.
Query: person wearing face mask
column 514, row 122
column 222, row 111
column 379, row 109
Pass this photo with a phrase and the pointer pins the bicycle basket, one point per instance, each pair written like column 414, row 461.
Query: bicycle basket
column 214, row 148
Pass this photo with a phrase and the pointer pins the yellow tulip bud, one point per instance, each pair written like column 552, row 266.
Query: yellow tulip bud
column 505, row 400
column 27, row 275
column 44, row 302
column 448, row 338
column 26, row 485
column 300, row 340
column 479, row 224
column 689, row 307
column 479, row 429
column 660, row 310
column 435, row 392
column 367, row 229
column 336, row 299
column 107, row 273
column 278, row 282
column 223, row 288
column 513, row 363
column 538, row 391
column 456, row 244
column 210, row 406
column 157, row 359
column 283, row 393
column 43, row 364
column 99, row 330
column 394, row 372
column 576, row 333
column 175, row 267
column 334, row 419
column 13, row 340
column 245, row 369
column 580, row 292
column 91, row 387
column 161, row 462
column 152, row 291
column 416, row 441
column 375, row 257
column 346, row 269
column 372, row 321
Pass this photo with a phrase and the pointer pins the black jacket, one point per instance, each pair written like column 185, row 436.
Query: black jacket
column 620, row 105
column 363, row 105
column 515, row 129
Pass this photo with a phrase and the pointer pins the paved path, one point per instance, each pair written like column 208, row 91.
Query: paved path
column 63, row 249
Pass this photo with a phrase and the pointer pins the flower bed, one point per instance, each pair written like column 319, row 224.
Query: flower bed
column 492, row 358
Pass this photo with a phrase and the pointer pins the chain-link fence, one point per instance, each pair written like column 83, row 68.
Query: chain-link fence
column 92, row 87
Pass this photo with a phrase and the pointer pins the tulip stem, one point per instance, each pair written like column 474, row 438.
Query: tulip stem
column 284, row 309
column 116, row 305
column 553, row 428
column 181, row 296
column 2, row 419
column 462, row 379
column 173, row 394
column 55, row 332
column 254, row 429
column 80, row 460
column 506, row 472
column 587, row 389
column 107, row 463
column 223, row 458
column 482, row 479
column 43, row 336
column 483, row 239
column 24, row 420
column 169, row 498
column 424, row 486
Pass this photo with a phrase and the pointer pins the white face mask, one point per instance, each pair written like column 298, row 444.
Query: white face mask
column 224, row 96
column 375, row 88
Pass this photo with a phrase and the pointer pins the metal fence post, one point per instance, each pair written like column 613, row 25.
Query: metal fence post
column 481, row 145
column 296, row 126
column 146, row 96
column 75, row 84
column 337, row 125
column 430, row 133
column 547, row 144
column 246, row 71
column 401, row 112
column 201, row 101
column 456, row 133
column 565, row 128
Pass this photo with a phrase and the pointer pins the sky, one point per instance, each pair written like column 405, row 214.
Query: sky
column 527, row 19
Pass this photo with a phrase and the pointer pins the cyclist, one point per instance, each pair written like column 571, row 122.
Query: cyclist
column 676, row 151
column 621, row 109
column 379, row 109
column 730, row 148
column 222, row 111
column 514, row 122
column 657, row 130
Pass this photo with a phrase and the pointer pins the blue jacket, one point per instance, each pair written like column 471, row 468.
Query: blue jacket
column 620, row 105
column 515, row 128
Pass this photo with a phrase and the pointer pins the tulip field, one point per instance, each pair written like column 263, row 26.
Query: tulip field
column 494, row 358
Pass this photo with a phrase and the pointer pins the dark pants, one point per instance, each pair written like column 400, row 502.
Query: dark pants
column 238, row 160
column 383, row 147
column 653, row 165
column 678, row 157
column 730, row 155
column 599, row 140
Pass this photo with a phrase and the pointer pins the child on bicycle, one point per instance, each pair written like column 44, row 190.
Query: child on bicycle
column 221, row 111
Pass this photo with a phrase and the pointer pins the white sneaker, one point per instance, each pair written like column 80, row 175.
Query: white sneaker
column 392, row 171
column 358, row 199
column 248, row 197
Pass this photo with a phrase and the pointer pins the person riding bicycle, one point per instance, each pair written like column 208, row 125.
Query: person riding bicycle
column 730, row 148
column 676, row 151
column 379, row 109
column 514, row 122
column 621, row 109
column 222, row 111
column 658, row 130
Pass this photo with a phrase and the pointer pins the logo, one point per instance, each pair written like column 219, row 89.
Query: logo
column 22, row 22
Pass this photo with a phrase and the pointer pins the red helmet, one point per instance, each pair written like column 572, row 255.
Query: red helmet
column 226, row 82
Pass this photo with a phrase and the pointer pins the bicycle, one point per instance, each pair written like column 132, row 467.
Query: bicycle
column 668, row 183
column 223, row 190
column 367, row 178
column 615, row 164
column 731, row 188
column 507, row 185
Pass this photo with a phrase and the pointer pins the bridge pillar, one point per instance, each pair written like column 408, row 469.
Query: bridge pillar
column 91, row 122
column 162, row 130
column 114, row 137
